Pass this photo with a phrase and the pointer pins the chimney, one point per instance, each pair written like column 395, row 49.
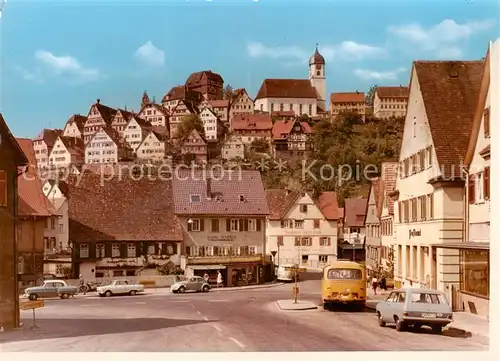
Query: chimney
column 357, row 92
column 98, row 101
column 209, row 188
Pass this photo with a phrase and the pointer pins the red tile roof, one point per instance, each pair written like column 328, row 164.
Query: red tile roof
column 79, row 120
column 73, row 145
column 32, row 201
column 181, row 92
column 328, row 205
column 393, row 91
column 388, row 177
column 225, row 188
column 195, row 78
column 286, row 88
column 285, row 127
column 219, row 103
column 252, row 121
column 49, row 136
column 280, row 201
column 121, row 209
column 450, row 92
column 19, row 157
column 284, row 113
column 355, row 212
column 350, row 97
column 107, row 113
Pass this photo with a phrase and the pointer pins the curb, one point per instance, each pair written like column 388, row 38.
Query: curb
column 228, row 289
column 300, row 308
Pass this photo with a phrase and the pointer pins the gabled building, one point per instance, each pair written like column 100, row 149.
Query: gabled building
column 373, row 241
column 36, row 218
column 74, row 126
column 241, row 104
column 99, row 116
column 252, row 127
column 155, row 114
column 354, row 231
column 233, row 147
column 67, row 151
column 301, row 228
column 11, row 158
column 106, row 146
column 194, row 146
column 348, row 102
column 207, row 83
column 388, row 238
column 178, row 93
column 429, row 192
column 43, row 144
column 219, row 107
column 123, row 227
column 212, row 124
column 182, row 109
column 135, row 131
column 292, row 139
column 152, row 147
column 223, row 218
column 390, row 101
column 120, row 120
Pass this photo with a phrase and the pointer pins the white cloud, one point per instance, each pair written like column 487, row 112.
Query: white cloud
column 443, row 39
column 64, row 66
column 347, row 50
column 150, row 54
column 378, row 75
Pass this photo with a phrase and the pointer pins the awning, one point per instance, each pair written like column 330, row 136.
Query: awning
column 464, row 245
column 207, row 267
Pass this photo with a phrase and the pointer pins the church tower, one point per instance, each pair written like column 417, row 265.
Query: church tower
column 317, row 77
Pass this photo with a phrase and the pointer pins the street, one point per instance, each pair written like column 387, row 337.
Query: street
column 226, row 321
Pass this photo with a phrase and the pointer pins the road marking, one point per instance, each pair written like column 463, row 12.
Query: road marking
column 178, row 302
column 90, row 305
column 237, row 342
column 217, row 328
column 206, row 319
column 218, row 300
column 140, row 303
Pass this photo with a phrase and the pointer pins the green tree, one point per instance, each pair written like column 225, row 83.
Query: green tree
column 187, row 124
column 371, row 94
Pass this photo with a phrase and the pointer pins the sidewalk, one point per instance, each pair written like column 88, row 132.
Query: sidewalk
column 462, row 321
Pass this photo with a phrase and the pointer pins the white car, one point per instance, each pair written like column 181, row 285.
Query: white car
column 119, row 287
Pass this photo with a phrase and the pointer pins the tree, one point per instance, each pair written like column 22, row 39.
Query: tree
column 228, row 92
column 187, row 124
column 371, row 95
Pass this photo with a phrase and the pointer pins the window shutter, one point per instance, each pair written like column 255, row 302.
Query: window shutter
column 215, row 225
column 241, row 225
column 471, row 189
column 486, row 120
column 228, row 225
column 486, row 182
column 190, row 227
column 245, row 224
column 399, row 212
column 202, row 225
column 187, row 250
column 258, row 225
column 316, row 223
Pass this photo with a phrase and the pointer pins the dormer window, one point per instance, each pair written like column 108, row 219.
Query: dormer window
column 242, row 198
column 195, row 198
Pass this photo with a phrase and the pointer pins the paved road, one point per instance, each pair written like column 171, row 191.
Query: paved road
column 247, row 320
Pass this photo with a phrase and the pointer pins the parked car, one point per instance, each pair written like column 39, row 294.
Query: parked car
column 415, row 307
column 196, row 283
column 119, row 287
column 50, row 288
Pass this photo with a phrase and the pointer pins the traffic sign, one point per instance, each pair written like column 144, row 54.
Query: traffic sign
column 31, row 305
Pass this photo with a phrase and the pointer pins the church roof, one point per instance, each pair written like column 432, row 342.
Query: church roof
column 317, row 58
column 286, row 88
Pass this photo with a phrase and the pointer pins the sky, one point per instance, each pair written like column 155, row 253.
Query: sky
column 58, row 57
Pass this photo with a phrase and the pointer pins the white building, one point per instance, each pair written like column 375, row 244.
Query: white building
column 233, row 147
column 211, row 123
column 99, row 116
column 303, row 96
column 155, row 114
column 241, row 104
column 219, row 107
column 388, row 238
column 120, row 120
column 135, row 131
column 105, row 146
column 372, row 225
column 74, row 126
column 390, row 101
column 302, row 229
column 429, row 191
column 66, row 151
column 152, row 147
column 43, row 144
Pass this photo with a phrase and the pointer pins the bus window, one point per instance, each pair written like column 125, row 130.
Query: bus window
column 344, row 274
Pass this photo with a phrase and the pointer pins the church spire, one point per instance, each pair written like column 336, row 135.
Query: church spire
column 145, row 99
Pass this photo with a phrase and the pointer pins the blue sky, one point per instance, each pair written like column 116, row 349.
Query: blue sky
column 59, row 57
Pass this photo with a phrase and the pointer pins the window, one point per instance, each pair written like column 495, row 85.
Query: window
column 131, row 250
column 299, row 224
column 429, row 157
column 252, row 225
column 324, row 241
column 406, row 211
column 215, row 225
column 486, row 183
column 344, row 274
column 195, row 225
column 311, row 108
column 234, row 225
column 486, row 122
column 479, row 187
column 471, row 189
column 316, row 223
column 3, row 189
column 421, row 158
column 401, row 297
column 115, row 250
column 430, row 201
column 434, row 298
column 414, row 209
column 423, row 207
column 303, row 208
column 252, row 250
column 323, row 258
column 297, row 241
column 99, row 250
column 195, row 198
column 306, row 241
column 84, row 250
column 280, row 241
column 151, row 249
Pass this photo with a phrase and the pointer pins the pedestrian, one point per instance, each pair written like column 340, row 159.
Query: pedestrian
column 383, row 284
column 83, row 287
column 374, row 284
column 206, row 277
column 219, row 279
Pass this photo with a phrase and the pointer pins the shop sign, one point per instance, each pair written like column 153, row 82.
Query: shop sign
column 414, row 233
column 221, row 238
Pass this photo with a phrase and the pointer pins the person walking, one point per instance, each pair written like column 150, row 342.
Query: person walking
column 219, row 280
column 206, row 277
column 374, row 285
column 383, row 284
